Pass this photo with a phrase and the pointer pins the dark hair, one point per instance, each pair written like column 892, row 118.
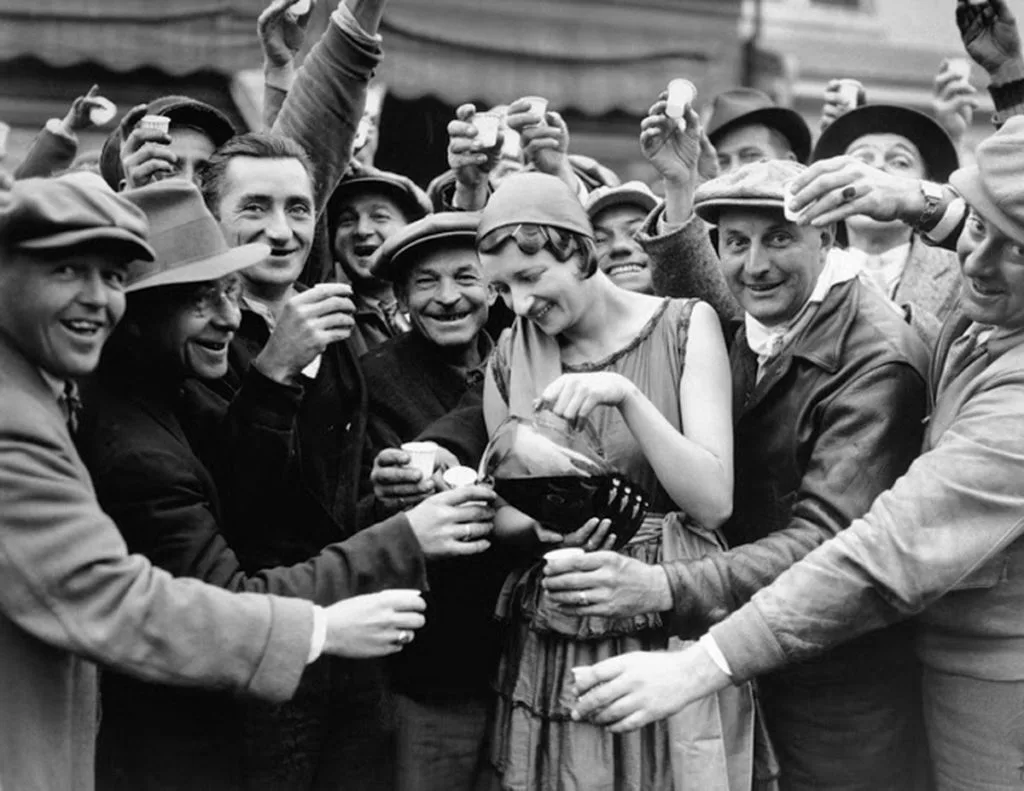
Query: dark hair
column 259, row 145
column 531, row 238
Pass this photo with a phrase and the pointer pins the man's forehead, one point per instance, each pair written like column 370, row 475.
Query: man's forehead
column 752, row 217
column 884, row 141
column 270, row 177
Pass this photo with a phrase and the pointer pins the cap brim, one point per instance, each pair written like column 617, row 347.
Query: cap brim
column 212, row 268
column 789, row 123
column 937, row 150
column 413, row 209
column 399, row 261
column 967, row 181
column 622, row 198
column 65, row 239
column 709, row 210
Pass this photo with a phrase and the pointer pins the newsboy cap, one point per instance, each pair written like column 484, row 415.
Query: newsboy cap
column 757, row 185
column 994, row 186
column 536, row 199
column 73, row 209
column 398, row 253
column 189, row 244
column 412, row 200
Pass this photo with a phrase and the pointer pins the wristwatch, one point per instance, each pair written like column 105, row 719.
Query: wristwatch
column 934, row 204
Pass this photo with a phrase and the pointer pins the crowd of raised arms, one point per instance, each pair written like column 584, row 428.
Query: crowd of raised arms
column 247, row 381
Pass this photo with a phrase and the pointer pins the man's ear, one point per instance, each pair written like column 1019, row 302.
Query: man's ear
column 790, row 156
column 828, row 236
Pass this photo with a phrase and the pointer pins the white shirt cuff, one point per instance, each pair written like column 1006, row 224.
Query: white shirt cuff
column 707, row 642
column 954, row 213
column 55, row 127
column 319, row 638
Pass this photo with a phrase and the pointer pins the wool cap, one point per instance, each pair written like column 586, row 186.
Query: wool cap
column 937, row 150
column 189, row 244
column 534, row 198
column 64, row 212
column 412, row 200
column 399, row 251
column 993, row 186
column 759, row 185
column 632, row 193
column 182, row 110
column 738, row 107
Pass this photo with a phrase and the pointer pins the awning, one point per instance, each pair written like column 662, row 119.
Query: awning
column 593, row 57
column 178, row 37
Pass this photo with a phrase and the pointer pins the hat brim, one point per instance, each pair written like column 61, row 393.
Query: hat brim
column 212, row 268
column 60, row 241
column 937, row 150
column 789, row 123
column 396, row 264
column 622, row 198
column 967, row 181
column 710, row 210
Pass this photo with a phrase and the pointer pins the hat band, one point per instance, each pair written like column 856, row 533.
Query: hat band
column 190, row 241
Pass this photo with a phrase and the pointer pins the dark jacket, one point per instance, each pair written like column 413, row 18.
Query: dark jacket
column 456, row 653
column 166, row 504
column 835, row 420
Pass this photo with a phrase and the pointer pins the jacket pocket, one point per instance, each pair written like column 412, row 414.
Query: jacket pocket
column 988, row 575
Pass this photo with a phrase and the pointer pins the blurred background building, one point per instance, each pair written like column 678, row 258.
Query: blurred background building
column 600, row 62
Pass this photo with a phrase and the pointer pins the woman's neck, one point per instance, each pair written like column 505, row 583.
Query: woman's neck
column 598, row 331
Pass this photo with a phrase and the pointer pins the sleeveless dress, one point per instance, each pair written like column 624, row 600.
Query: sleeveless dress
column 537, row 747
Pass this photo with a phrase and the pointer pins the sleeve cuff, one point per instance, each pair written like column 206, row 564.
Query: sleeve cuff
column 747, row 644
column 56, row 128
column 318, row 639
column 345, row 20
column 950, row 219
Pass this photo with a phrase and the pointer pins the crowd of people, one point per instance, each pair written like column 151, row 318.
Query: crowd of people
column 220, row 567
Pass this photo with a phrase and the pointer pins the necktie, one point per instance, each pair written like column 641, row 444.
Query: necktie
column 71, row 405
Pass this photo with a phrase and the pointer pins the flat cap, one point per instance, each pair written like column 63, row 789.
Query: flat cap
column 632, row 193
column 410, row 198
column 992, row 186
column 757, row 185
column 536, row 199
column 64, row 212
column 398, row 253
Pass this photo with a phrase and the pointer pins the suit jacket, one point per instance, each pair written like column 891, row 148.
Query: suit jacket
column 168, row 507
column 930, row 280
column 71, row 595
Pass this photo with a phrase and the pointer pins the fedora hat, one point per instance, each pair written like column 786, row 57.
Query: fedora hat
column 746, row 107
column 937, row 150
column 189, row 245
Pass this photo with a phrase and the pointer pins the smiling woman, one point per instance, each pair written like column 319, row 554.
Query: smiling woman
column 651, row 377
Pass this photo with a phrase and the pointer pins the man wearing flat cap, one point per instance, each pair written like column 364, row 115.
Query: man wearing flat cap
column 70, row 595
column 443, row 688
column 828, row 396
column 944, row 544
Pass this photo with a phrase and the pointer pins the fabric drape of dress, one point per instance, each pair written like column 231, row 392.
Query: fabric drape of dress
column 537, row 747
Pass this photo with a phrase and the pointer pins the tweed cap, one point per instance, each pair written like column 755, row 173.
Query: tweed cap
column 534, row 198
column 399, row 251
column 632, row 193
column 58, row 213
column 993, row 186
column 757, row 185
column 410, row 198
column 182, row 110
column 937, row 150
column 189, row 244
